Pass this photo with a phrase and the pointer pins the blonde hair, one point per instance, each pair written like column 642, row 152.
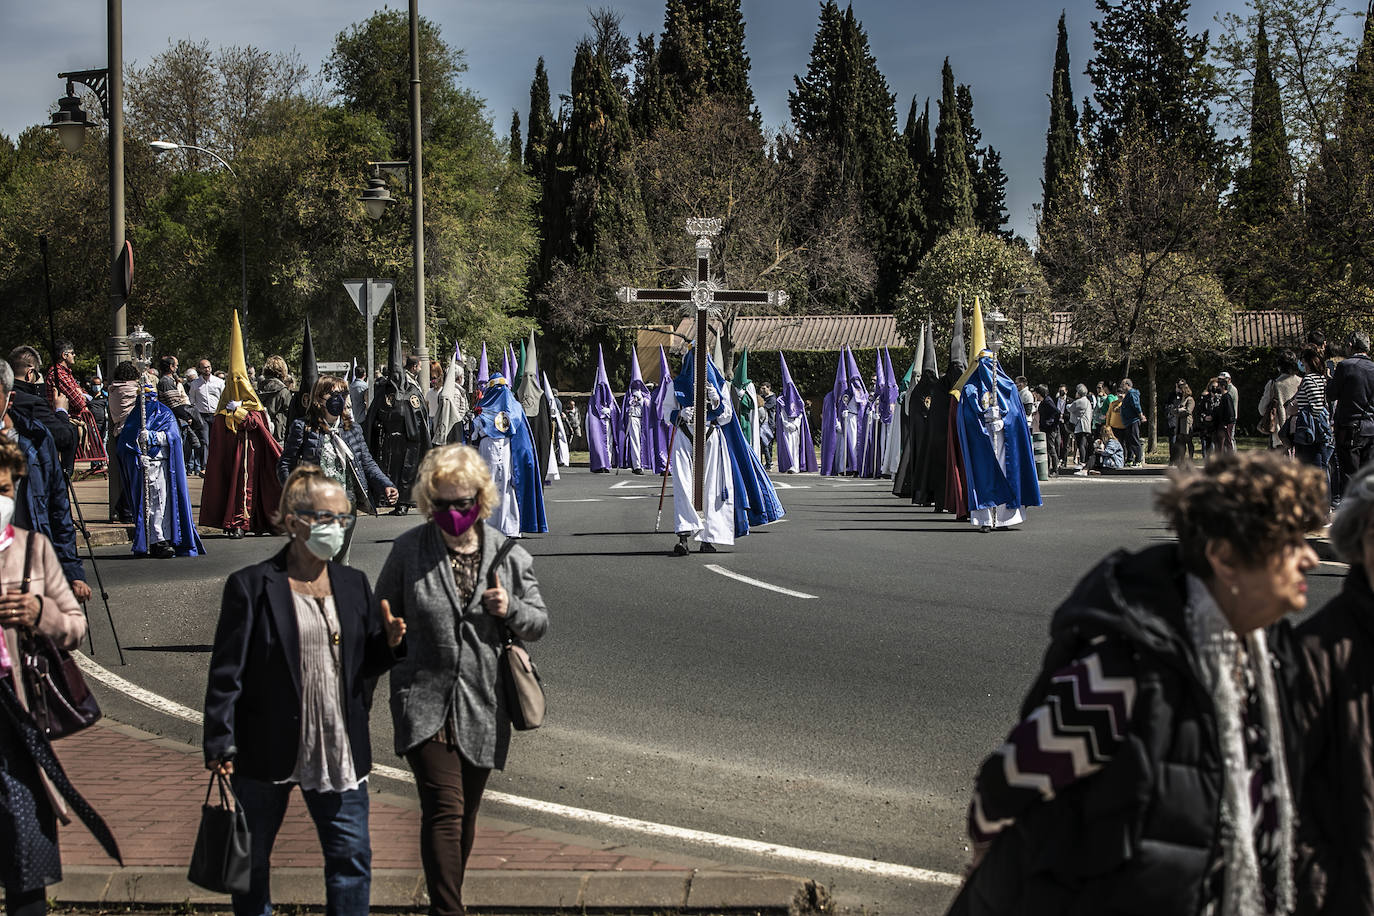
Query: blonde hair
column 458, row 465
column 302, row 488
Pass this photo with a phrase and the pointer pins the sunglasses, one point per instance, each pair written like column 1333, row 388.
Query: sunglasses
column 460, row 505
column 325, row 517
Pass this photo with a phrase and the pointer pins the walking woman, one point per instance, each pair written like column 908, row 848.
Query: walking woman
column 1181, row 438
column 1149, row 771
column 288, row 698
column 1336, row 797
column 34, row 791
column 327, row 437
column 450, row 721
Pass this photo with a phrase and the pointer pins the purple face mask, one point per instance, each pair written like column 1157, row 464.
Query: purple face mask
column 452, row 522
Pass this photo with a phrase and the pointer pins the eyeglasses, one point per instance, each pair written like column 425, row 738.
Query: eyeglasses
column 461, row 505
column 324, row 517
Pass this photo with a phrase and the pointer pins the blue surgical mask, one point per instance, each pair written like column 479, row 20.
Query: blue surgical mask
column 335, row 403
column 325, row 540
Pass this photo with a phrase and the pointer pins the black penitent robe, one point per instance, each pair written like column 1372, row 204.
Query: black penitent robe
column 930, row 467
column 915, row 428
column 397, row 431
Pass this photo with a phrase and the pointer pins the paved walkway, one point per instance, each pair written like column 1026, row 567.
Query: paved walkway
column 150, row 789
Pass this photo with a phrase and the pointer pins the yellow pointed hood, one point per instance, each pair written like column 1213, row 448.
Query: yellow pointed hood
column 238, row 390
column 980, row 344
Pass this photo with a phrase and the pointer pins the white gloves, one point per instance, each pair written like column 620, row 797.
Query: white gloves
column 605, row 413
column 687, row 415
column 233, row 406
column 713, row 398
column 146, row 438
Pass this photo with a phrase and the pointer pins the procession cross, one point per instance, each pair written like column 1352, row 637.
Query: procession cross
column 703, row 298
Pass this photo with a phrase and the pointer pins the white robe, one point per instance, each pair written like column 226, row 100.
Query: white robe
column 892, row 455
column 851, row 425
column 505, row 515
column 997, row 516
column 789, row 429
column 634, row 430
column 718, row 524
column 157, row 470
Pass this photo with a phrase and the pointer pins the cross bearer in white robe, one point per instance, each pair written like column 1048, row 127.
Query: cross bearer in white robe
column 716, row 524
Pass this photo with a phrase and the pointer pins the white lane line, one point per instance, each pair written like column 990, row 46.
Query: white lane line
column 574, row 500
column 737, row 844
column 757, row 583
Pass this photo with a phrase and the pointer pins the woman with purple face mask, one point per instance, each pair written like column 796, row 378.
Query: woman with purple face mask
column 449, row 718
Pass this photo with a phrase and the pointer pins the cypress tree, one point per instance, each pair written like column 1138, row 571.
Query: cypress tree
column 1061, row 140
column 541, row 126
column 701, row 53
column 1264, row 188
column 951, row 206
column 515, row 137
column 650, row 105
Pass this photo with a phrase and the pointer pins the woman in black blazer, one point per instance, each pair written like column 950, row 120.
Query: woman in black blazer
column 287, row 701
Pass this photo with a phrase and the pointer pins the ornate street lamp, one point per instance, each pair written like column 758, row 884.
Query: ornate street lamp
column 70, row 120
column 994, row 322
column 377, row 196
column 1021, row 294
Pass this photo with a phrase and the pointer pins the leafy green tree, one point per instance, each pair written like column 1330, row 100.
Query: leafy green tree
column 1148, row 69
column 951, row 204
column 1061, row 140
column 971, row 263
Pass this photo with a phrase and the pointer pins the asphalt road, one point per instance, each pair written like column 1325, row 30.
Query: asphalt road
column 851, row 723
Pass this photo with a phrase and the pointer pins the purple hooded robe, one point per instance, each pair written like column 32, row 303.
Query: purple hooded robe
column 603, row 420
column 791, row 428
column 660, row 409
column 640, row 427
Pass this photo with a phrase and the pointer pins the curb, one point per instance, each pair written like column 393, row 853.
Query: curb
column 713, row 890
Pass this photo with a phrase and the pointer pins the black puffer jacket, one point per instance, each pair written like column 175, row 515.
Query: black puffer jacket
column 1138, row 837
column 303, row 447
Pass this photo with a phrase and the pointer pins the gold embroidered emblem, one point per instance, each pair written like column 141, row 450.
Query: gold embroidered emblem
column 502, row 422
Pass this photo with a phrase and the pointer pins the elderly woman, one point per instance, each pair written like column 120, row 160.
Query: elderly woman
column 327, row 437
column 275, row 396
column 34, row 791
column 298, row 643
column 1148, row 773
column 450, row 721
column 1336, row 714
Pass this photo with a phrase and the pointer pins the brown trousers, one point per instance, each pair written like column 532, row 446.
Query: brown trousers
column 450, row 791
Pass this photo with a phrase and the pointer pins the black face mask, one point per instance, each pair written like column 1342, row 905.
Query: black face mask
column 335, row 403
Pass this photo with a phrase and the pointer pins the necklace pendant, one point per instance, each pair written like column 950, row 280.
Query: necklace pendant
column 334, row 638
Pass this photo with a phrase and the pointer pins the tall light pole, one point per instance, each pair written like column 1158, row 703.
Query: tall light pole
column 376, row 197
column 70, row 122
column 1021, row 294
column 167, row 146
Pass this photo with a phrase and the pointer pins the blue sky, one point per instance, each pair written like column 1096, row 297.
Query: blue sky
column 1002, row 48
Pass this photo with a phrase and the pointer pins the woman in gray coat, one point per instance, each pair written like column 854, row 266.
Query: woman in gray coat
column 450, row 721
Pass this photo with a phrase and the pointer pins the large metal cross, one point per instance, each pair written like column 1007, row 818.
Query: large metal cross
column 702, row 297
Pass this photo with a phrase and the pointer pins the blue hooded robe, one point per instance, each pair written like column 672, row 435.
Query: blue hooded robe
column 524, row 470
column 184, row 537
column 760, row 504
column 989, row 484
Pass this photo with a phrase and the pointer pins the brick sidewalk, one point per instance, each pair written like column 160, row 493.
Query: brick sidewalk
column 150, row 789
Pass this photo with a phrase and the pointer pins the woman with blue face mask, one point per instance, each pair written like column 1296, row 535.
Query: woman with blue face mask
column 298, row 639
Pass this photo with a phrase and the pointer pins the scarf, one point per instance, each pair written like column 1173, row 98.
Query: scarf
column 1230, row 661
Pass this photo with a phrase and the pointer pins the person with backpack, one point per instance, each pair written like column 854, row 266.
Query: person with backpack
column 1309, row 428
column 1276, row 403
column 1352, row 391
column 1048, row 416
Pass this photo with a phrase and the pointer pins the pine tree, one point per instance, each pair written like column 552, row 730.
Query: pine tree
column 541, row 127
column 951, row 206
column 701, row 53
column 1148, row 68
column 1264, row 188
column 514, row 139
column 1061, row 140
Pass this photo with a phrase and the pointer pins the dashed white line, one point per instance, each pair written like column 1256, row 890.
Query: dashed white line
column 718, row 841
column 757, row 583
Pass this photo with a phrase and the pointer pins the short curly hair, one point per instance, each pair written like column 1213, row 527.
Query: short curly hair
column 456, row 464
column 12, row 459
column 1257, row 502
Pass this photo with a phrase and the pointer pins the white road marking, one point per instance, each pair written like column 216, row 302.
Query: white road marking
column 574, row 500
column 738, row 844
column 630, row 485
column 634, row 497
column 757, row 583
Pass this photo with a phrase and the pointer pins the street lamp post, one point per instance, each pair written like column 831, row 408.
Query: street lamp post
column 167, row 146
column 1021, row 294
column 376, row 197
column 70, row 123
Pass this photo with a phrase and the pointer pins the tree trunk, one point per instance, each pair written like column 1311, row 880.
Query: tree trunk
column 1151, row 363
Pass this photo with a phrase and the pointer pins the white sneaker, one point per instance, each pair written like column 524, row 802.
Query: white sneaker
column 1081, row 472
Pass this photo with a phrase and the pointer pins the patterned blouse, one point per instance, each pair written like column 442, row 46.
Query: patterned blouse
column 324, row 761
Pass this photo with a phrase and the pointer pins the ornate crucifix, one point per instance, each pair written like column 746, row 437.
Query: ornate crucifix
column 702, row 297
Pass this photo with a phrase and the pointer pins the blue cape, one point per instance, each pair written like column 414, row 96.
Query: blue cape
column 988, row 484
column 756, row 502
column 524, row 466
column 183, row 534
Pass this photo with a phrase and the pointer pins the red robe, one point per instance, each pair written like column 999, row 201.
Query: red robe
column 956, row 483
column 241, row 489
column 89, row 446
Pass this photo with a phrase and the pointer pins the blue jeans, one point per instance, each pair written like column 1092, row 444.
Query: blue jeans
column 341, row 822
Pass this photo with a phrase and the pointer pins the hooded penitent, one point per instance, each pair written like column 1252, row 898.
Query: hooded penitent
column 747, row 403
column 531, row 397
column 996, row 444
column 501, row 434
column 877, row 420
column 603, row 420
column 916, row 431
column 663, row 404
column 636, row 440
column 832, row 429
column 452, row 405
column 171, row 499
column 931, row 465
column 483, row 371
column 956, row 491
column 241, row 491
column 791, row 427
column 305, row 383
column 750, row 491
column 560, row 430
column 397, row 429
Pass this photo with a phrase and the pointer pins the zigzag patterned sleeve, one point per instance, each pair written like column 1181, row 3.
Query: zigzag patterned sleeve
column 1073, row 733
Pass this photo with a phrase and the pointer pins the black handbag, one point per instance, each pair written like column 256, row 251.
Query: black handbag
column 521, row 687
column 57, row 695
column 223, row 856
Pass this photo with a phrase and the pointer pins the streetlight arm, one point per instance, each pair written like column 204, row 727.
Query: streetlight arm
column 169, row 145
